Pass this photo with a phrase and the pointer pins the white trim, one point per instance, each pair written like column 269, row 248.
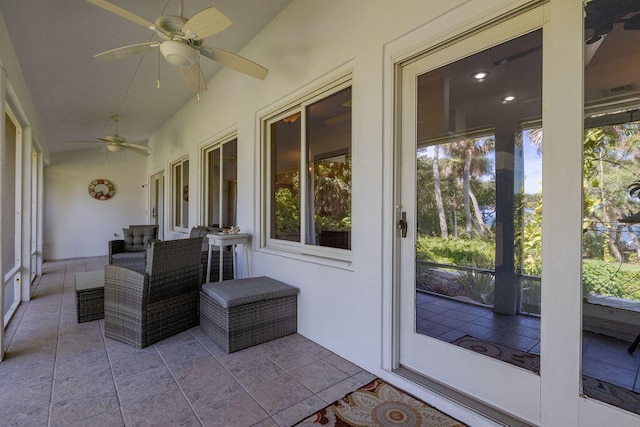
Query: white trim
column 172, row 196
column 340, row 79
column 215, row 143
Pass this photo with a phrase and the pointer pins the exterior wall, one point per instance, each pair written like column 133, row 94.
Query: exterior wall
column 349, row 308
column 77, row 225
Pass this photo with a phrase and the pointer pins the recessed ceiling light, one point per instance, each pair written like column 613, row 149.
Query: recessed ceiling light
column 480, row 76
column 508, row 98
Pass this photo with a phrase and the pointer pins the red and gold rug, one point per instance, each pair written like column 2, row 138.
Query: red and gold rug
column 379, row 404
column 591, row 387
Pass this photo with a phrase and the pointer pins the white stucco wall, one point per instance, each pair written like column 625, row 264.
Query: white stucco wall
column 77, row 225
column 347, row 308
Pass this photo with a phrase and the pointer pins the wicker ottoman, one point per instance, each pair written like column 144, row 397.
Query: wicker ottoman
column 241, row 313
column 90, row 295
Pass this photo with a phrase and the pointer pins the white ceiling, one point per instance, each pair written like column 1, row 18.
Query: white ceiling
column 76, row 95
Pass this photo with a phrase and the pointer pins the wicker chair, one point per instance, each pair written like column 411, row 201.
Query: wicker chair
column 130, row 251
column 143, row 308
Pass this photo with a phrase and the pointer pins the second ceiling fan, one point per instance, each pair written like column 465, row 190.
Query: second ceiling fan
column 182, row 43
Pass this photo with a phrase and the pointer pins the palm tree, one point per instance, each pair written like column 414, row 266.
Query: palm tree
column 470, row 154
column 438, row 194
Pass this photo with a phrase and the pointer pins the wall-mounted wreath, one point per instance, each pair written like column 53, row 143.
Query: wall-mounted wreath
column 101, row 189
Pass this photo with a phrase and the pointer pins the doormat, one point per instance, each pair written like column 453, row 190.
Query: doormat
column 522, row 359
column 379, row 404
column 591, row 387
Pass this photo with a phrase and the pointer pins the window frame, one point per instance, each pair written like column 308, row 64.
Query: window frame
column 175, row 211
column 218, row 144
column 298, row 106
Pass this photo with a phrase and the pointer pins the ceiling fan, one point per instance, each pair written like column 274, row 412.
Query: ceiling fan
column 116, row 143
column 182, row 43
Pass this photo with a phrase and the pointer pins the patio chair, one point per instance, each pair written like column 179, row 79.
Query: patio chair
column 130, row 251
column 142, row 308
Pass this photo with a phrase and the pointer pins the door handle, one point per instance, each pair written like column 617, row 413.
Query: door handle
column 402, row 224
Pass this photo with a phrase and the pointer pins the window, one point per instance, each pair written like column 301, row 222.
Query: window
column 309, row 175
column 221, row 184
column 180, row 197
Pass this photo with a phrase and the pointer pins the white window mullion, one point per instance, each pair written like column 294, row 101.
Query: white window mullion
column 304, row 194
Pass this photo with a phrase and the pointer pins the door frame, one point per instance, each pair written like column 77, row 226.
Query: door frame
column 156, row 201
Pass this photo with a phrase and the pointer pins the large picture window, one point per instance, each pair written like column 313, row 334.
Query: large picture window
column 309, row 174
column 180, row 197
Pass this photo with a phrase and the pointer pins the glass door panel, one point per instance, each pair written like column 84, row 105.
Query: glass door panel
column 611, row 218
column 470, row 190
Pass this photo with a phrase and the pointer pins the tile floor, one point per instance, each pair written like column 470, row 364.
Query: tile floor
column 60, row 373
column 603, row 357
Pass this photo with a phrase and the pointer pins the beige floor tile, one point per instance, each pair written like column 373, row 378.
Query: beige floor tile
column 337, row 391
column 319, row 375
column 61, row 372
column 235, row 411
column 163, row 409
column 278, row 394
column 299, row 411
column 74, row 409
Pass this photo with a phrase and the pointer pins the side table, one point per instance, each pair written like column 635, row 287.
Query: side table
column 222, row 240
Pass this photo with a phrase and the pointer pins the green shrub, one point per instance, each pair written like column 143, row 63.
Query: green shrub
column 464, row 252
column 610, row 279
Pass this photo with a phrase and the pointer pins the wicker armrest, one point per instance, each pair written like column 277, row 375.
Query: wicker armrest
column 124, row 289
column 115, row 247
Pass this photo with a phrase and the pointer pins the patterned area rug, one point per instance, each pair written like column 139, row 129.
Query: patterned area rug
column 519, row 358
column 379, row 404
column 591, row 387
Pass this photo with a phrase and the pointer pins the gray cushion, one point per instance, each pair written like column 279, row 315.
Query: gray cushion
column 137, row 237
column 232, row 293
column 128, row 256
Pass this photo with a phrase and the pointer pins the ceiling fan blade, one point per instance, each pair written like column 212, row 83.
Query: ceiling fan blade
column 194, row 78
column 85, row 140
column 137, row 146
column 234, row 61
column 206, row 23
column 123, row 13
column 137, row 150
column 125, row 51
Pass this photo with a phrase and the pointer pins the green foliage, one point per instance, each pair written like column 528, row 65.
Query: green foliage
column 463, row 252
column 332, row 197
column 287, row 210
column 610, row 279
column 477, row 286
column 593, row 244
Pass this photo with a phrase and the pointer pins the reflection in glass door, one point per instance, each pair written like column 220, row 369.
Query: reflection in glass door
column 611, row 217
column 470, row 263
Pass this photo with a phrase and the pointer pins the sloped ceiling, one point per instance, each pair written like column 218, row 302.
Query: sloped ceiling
column 75, row 95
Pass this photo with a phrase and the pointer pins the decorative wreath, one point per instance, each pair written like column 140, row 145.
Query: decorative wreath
column 185, row 193
column 101, row 189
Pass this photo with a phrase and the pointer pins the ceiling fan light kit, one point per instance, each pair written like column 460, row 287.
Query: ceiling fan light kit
column 183, row 42
column 116, row 143
column 115, row 148
column 178, row 53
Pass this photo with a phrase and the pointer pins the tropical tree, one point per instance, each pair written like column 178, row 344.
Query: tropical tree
column 471, row 160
